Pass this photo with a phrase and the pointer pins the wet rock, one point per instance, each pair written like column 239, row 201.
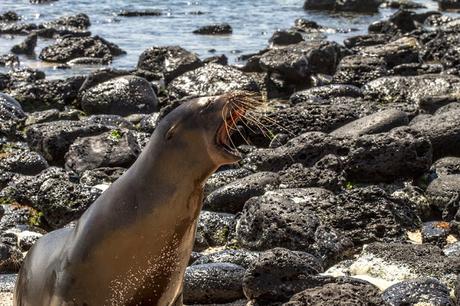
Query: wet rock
column 446, row 166
column 10, row 259
column 357, row 42
column 449, row 4
column 435, row 232
column 395, row 262
column 86, row 61
column 410, row 89
column 9, row 60
column 402, row 4
column 22, row 162
column 53, row 139
column 338, row 294
column 129, row 13
column 170, row 62
column 231, row 198
column 51, row 115
column 426, row 291
column 378, row 122
column 213, row 229
column 283, row 38
column 46, row 94
column 117, row 148
column 278, row 274
column 402, row 21
column 224, row 177
column 218, row 59
column 211, row 80
column 213, row 283
column 238, row 257
column 360, row 69
column 360, row 6
column 443, row 132
column 297, row 63
column 17, row 28
column 101, row 176
column 15, row 216
column 9, row 16
column 27, row 46
column 120, row 96
column 68, row 48
column 215, row 29
column 74, row 25
column 307, row 26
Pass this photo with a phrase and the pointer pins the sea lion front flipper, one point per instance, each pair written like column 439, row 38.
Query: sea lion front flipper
column 179, row 301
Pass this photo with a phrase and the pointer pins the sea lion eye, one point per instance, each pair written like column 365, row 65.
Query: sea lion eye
column 170, row 133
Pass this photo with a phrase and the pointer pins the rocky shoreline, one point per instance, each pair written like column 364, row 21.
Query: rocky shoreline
column 348, row 190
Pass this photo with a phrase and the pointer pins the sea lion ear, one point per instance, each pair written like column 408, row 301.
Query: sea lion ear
column 170, row 133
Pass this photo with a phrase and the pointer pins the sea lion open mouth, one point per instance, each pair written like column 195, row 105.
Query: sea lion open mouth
column 225, row 131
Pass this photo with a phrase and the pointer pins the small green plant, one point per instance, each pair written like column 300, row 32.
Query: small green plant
column 115, row 134
column 349, row 185
column 36, row 218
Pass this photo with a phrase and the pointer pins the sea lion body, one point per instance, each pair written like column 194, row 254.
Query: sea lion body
column 131, row 247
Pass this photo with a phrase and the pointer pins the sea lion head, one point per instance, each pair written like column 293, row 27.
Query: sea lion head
column 202, row 127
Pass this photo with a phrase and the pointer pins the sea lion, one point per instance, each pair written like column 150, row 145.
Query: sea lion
column 131, row 247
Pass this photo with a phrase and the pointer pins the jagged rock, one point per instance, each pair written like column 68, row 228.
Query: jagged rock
column 215, row 29
column 360, row 6
column 27, row 46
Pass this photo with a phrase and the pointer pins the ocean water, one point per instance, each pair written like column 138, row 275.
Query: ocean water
column 253, row 22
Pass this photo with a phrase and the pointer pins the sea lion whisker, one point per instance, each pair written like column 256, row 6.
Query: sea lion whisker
column 239, row 132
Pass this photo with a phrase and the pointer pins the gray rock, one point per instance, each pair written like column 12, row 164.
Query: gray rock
column 411, row 89
column 68, row 48
column 213, row 283
column 297, row 63
column 9, row 16
column 443, row 131
column 7, row 282
column 224, row 177
column 360, row 69
column 11, row 115
column 278, row 274
column 449, row 4
column 215, row 29
column 325, row 92
column 446, row 166
column 120, row 96
column 379, row 122
column 53, row 139
column 17, row 28
column 436, row 232
column 101, row 176
column 51, row 115
column 339, row 294
column 231, row 197
column 46, row 94
column 22, row 162
column 170, row 62
column 10, row 259
column 426, row 291
column 117, row 148
column 213, row 229
column 452, row 250
column 211, row 80
column 238, row 257
column 80, row 21
column 443, row 193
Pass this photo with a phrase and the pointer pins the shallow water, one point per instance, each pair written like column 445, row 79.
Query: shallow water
column 253, row 23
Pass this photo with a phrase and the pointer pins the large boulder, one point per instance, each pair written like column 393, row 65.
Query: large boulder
column 168, row 62
column 211, row 80
column 123, row 96
column 70, row 47
column 53, row 139
column 298, row 62
column 111, row 149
